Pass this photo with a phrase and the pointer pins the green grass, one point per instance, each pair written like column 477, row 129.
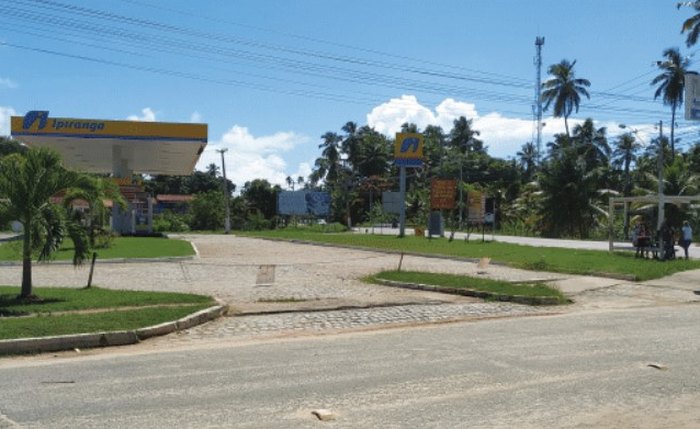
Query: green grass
column 122, row 247
column 66, row 299
column 475, row 283
column 572, row 261
column 73, row 311
column 45, row 325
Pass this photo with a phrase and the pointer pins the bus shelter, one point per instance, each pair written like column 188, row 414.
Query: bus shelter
column 660, row 200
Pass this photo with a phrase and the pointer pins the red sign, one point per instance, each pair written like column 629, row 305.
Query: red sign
column 442, row 194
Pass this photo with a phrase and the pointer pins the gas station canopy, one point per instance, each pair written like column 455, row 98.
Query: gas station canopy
column 118, row 147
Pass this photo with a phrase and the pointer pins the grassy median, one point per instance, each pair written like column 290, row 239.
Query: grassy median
column 63, row 311
column 572, row 261
column 121, row 247
column 496, row 287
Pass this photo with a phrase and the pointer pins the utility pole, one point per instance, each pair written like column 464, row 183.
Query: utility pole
column 227, row 196
column 660, row 162
column 539, row 42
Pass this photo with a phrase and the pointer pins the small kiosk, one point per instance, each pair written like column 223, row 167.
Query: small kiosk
column 119, row 148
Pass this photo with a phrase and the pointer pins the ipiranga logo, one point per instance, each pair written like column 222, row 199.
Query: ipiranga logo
column 35, row 115
column 42, row 117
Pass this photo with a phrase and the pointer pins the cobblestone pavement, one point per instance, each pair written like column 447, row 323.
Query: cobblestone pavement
column 323, row 286
column 289, row 324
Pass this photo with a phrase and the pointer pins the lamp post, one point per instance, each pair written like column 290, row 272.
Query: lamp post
column 227, row 196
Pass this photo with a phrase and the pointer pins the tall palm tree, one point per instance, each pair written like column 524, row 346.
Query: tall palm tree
column 527, row 156
column 593, row 143
column 624, row 155
column 671, row 83
column 373, row 156
column 564, row 90
column 351, row 142
column 692, row 24
column 27, row 182
column 463, row 136
column 329, row 163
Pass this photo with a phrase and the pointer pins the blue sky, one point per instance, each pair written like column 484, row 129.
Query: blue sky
column 270, row 77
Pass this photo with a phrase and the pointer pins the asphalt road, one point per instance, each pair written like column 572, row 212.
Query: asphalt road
column 580, row 370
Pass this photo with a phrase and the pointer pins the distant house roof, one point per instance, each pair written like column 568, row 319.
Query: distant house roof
column 174, row 198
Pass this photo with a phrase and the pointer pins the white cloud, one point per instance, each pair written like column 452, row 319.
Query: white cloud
column 503, row 135
column 7, row 83
column 147, row 115
column 196, row 117
column 250, row 157
column 5, row 113
column 388, row 117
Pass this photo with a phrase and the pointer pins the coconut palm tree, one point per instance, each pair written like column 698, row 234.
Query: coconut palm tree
column 671, row 83
column 463, row 136
column 692, row 24
column 351, row 143
column 564, row 90
column 27, row 182
column 624, row 155
column 527, row 157
column 593, row 143
column 329, row 163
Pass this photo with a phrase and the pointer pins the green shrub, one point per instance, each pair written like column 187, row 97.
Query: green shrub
column 170, row 222
column 257, row 222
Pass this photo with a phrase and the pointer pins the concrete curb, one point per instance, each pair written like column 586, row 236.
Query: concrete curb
column 520, row 299
column 107, row 339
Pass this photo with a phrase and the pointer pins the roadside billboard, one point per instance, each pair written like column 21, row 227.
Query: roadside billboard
column 476, row 204
column 442, row 194
column 391, row 202
column 303, row 203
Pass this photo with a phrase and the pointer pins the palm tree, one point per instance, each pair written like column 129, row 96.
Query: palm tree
column 95, row 191
column 462, row 136
column 564, row 90
column 624, row 155
column 372, row 158
column 328, row 166
column 593, row 143
column 351, row 142
column 27, row 182
column 527, row 156
column 671, row 83
column 692, row 24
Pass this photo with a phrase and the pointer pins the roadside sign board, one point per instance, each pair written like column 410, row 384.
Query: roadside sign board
column 391, row 202
column 408, row 150
column 442, row 194
column 476, row 207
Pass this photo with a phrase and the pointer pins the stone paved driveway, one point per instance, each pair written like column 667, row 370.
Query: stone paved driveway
column 324, row 284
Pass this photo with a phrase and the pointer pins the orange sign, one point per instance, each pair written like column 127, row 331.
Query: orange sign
column 442, row 194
